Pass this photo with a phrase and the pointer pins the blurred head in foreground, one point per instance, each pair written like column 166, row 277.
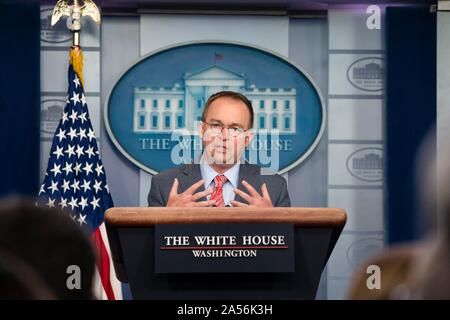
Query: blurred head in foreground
column 419, row 270
column 18, row 281
column 42, row 244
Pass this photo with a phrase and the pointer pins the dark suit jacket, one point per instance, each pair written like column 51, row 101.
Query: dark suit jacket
column 190, row 173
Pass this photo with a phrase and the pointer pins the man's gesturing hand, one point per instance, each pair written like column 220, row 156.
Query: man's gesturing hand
column 188, row 198
column 254, row 199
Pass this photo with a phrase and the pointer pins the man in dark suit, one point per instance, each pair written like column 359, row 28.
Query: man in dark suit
column 221, row 178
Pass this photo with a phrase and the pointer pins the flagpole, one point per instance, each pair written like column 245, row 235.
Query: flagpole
column 74, row 12
column 76, row 24
column 88, row 204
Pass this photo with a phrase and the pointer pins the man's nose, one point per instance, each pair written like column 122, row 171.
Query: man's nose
column 224, row 134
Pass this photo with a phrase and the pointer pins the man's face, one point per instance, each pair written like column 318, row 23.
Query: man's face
column 221, row 147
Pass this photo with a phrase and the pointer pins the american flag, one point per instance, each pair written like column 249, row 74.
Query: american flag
column 75, row 181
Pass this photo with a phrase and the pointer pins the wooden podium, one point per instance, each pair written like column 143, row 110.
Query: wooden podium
column 131, row 234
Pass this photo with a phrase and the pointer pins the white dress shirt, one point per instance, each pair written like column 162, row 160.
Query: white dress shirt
column 232, row 174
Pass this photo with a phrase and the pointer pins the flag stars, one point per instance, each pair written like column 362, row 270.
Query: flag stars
column 82, row 117
column 76, row 81
column 94, row 203
column 83, row 99
column 97, row 186
column 99, row 169
column 75, row 98
column 80, row 151
column 82, row 219
column 62, row 133
column 74, row 180
column 73, row 116
column 53, row 187
column 42, row 189
column 58, row 152
column 86, row 185
column 75, row 186
column 77, row 168
column 65, row 185
column 56, row 169
column 70, row 152
column 83, row 203
column 82, row 134
column 88, row 168
column 90, row 152
column 63, row 203
column 64, row 116
column 91, row 134
column 73, row 203
column 50, row 203
column 72, row 133
column 67, row 168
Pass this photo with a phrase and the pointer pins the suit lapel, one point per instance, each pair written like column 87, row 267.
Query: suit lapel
column 191, row 174
column 250, row 174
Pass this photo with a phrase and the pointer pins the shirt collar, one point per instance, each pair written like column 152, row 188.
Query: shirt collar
column 208, row 173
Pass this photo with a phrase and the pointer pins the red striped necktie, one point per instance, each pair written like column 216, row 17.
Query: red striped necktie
column 217, row 193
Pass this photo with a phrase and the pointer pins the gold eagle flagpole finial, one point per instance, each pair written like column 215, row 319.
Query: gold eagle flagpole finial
column 75, row 12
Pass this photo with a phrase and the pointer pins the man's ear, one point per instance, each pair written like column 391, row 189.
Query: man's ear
column 201, row 129
column 249, row 136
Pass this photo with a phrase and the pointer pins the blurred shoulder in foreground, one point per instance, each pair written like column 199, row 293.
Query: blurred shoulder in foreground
column 413, row 271
column 44, row 243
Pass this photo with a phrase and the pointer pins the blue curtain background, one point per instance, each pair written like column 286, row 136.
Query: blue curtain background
column 410, row 37
column 19, row 97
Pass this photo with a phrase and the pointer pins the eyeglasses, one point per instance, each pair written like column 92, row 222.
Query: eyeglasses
column 217, row 128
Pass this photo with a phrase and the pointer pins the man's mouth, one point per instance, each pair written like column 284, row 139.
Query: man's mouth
column 221, row 149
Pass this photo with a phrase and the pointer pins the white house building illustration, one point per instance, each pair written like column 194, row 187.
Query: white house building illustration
column 369, row 71
column 164, row 109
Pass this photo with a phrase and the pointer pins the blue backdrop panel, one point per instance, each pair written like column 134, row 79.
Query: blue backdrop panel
column 19, row 97
column 410, row 111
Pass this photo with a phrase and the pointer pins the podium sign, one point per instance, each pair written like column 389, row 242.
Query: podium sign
column 224, row 248
column 154, row 250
